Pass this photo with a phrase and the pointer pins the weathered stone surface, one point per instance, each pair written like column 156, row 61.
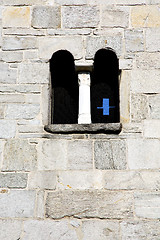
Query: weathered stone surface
column 153, row 39
column 7, row 75
column 145, row 81
column 31, row 54
column 22, row 111
column 13, row 180
column 80, row 16
column 23, row 2
column 134, row 40
column 16, row 17
column 19, row 43
column 19, row 155
column 98, row 42
column 40, row 211
column 24, row 31
column 145, row 16
column 42, row 180
column 49, row 45
column 17, row 203
column 71, row 2
column 100, row 230
column 89, row 204
column 153, row 1
column 80, row 155
column 114, row 17
column 52, row 155
column 129, row 2
column 23, row 88
column 152, row 128
column 12, row 98
column 154, row 106
column 46, row 17
column 147, row 205
column 34, row 229
column 139, row 107
column 140, row 230
column 143, row 153
column 110, row 154
column 125, row 64
column 2, row 111
column 34, row 73
column 7, row 129
column 148, row 60
column 10, row 229
column 23, row 128
column 11, row 57
column 77, row 31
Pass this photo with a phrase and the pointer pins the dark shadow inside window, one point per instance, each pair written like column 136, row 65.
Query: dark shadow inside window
column 105, row 87
column 64, row 88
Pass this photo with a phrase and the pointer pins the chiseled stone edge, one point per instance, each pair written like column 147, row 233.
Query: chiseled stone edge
column 84, row 128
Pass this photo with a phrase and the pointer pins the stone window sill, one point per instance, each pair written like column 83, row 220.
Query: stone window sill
column 110, row 128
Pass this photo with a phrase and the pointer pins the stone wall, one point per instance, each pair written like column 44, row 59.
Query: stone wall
column 79, row 186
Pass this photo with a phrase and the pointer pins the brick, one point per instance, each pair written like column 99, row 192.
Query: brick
column 80, row 17
column 13, row 180
column 7, row 75
column 154, row 106
column 147, row 205
column 71, row 2
column 12, row 98
column 22, row 111
column 11, row 57
column 19, row 43
column 148, row 60
column 52, row 155
column 153, row 40
column 10, row 229
column 42, row 180
column 24, row 32
column 152, row 128
column 46, row 17
column 100, row 230
column 17, row 204
column 139, row 107
column 143, row 153
column 93, row 44
column 110, row 154
column 145, row 81
column 140, row 230
column 145, row 16
column 19, row 155
column 16, row 17
column 7, row 128
column 33, row 229
column 134, row 40
column 114, row 17
column 34, row 73
column 89, row 204
column 47, row 46
column 80, row 155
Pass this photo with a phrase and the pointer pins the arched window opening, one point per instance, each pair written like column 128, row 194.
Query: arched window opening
column 64, row 88
column 105, row 87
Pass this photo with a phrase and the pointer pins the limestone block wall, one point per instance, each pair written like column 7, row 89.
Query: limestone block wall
column 79, row 186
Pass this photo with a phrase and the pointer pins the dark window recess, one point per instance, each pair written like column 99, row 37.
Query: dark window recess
column 64, row 88
column 105, row 87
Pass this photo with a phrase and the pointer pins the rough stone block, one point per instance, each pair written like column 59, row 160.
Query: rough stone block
column 143, row 153
column 139, row 107
column 47, row 46
column 147, row 205
column 80, row 17
column 19, row 43
column 30, row 54
column 12, row 98
column 129, row 2
column 7, row 129
column 34, row 229
column 145, row 16
column 98, row 42
column 89, row 204
column 153, row 39
column 13, row 180
column 80, row 155
column 134, row 40
column 64, row 32
column 24, row 31
column 152, row 128
column 71, row 2
column 19, row 155
column 145, row 81
column 23, row 2
column 154, row 106
column 16, row 17
column 11, row 57
column 22, row 111
column 40, row 211
column 34, row 73
column 100, row 230
column 10, row 229
column 2, row 107
column 17, row 204
column 22, row 88
column 42, row 180
column 46, row 17
column 148, row 60
column 125, row 64
column 110, row 154
column 140, row 230
column 7, row 75
column 52, row 155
